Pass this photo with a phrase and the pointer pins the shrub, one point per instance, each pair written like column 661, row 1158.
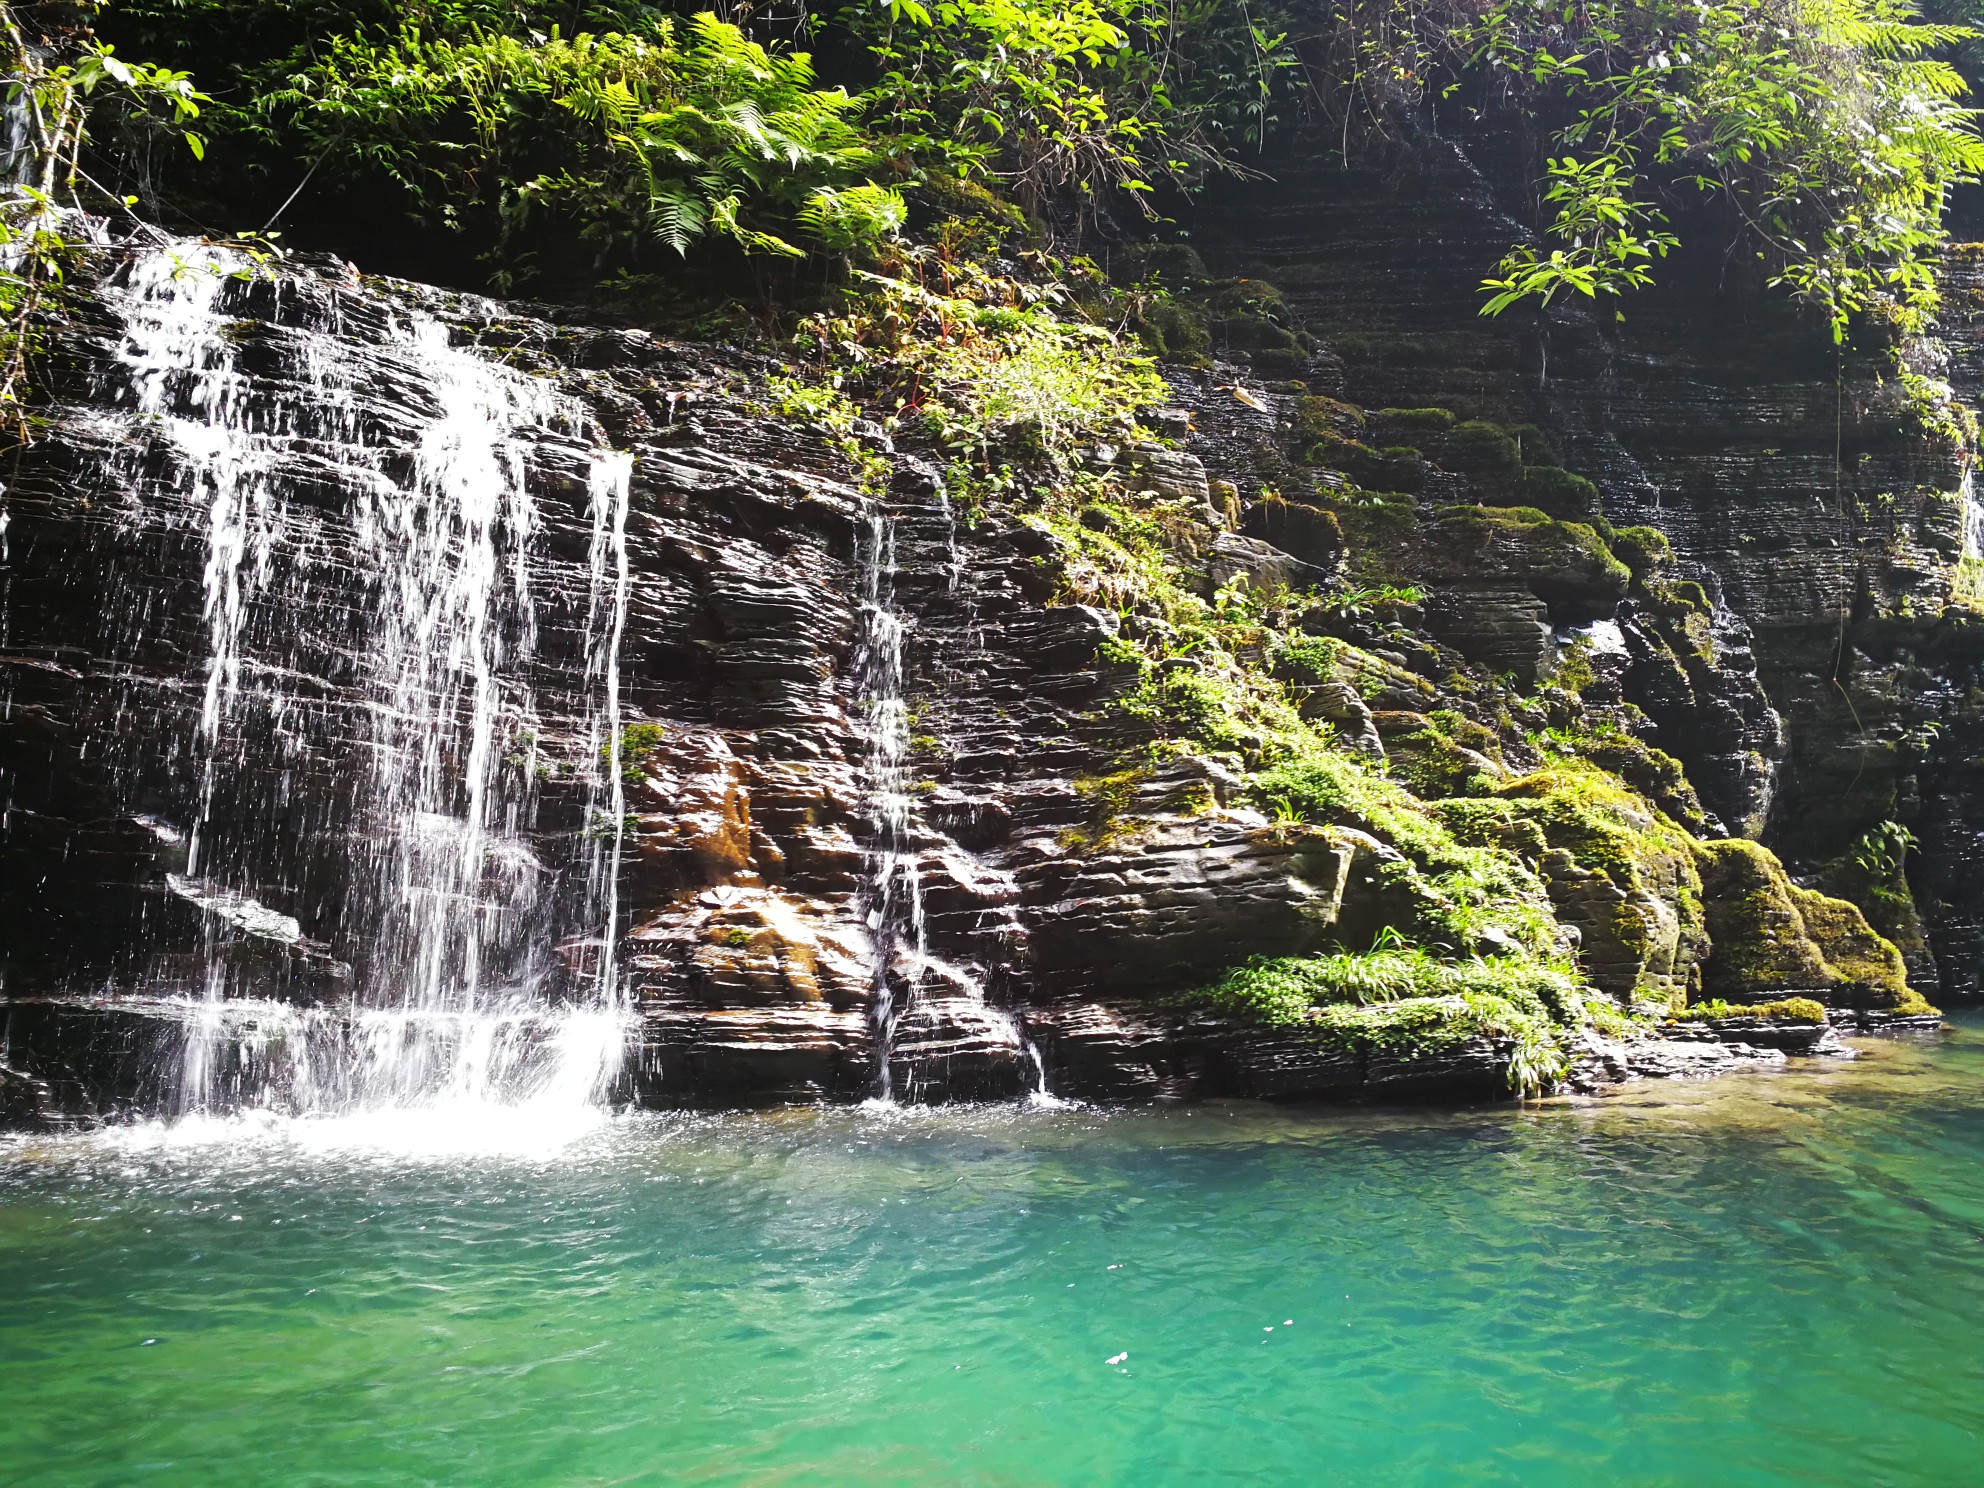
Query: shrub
column 1405, row 1001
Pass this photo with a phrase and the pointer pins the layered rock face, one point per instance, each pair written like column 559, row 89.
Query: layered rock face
column 1821, row 503
column 862, row 754
column 187, row 682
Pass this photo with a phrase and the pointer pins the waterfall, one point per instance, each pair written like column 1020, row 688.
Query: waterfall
column 893, row 894
column 927, row 1010
column 1973, row 514
column 369, row 735
column 610, row 488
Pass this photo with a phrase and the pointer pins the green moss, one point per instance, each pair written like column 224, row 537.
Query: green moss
column 1251, row 315
column 1460, row 891
column 1318, row 418
column 969, row 200
column 1281, row 362
column 1785, row 1010
column 1543, row 544
column 1535, row 445
column 1426, row 758
column 1558, row 492
column 1967, row 584
column 1577, row 820
column 1654, row 773
column 1644, row 550
column 1874, row 875
column 1771, row 936
column 1410, row 1003
column 1108, row 799
column 1481, row 449
column 1178, row 333
column 1380, row 534
column 1398, row 468
column 1427, row 421
column 1306, row 659
column 637, row 742
column 1869, row 968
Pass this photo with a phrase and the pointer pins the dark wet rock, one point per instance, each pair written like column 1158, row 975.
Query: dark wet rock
column 1789, row 653
column 1790, row 1035
column 1602, row 1062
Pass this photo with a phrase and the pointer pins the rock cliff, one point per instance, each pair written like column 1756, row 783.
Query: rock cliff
column 912, row 793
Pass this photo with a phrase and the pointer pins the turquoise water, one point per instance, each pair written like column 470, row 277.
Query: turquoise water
column 1765, row 1280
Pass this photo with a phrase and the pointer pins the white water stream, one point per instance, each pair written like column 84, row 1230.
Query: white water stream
column 906, row 973
column 894, row 892
column 447, row 918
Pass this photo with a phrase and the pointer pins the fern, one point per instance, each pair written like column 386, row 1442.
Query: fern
column 683, row 135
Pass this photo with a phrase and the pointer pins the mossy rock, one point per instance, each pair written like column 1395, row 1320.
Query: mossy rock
column 1644, row 550
column 1251, row 315
column 1175, row 332
column 1307, row 532
column 1383, row 683
column 1273, row 362
column 1772, row 938
column 1399, row 468
column 1432, row 764
column 1307, row 660
column 1483, row 450
column 1565, row 564
column 1623, row 872
column 1886, row 897
column 1535, row 445
column 1396, row 350
column 971, row 201
column 1324, row 418
column 1554, row 490
column 1407, row 425
column 1380, row 532
column 1785, row 1010
column 1654, row 773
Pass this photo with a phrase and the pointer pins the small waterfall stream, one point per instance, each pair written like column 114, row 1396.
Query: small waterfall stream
column 374, row 604
column 942, row 1003
column 894, row 892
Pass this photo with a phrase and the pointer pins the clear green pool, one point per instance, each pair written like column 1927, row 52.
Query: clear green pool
column 1763, row 1280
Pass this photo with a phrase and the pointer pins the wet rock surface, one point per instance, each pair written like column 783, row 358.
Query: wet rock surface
column 1061, row 906
column 1823, row 676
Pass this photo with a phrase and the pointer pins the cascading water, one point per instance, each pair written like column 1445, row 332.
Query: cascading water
column 1973, row 515
column 926, row 1009
column 373, row 606
column 894, row 891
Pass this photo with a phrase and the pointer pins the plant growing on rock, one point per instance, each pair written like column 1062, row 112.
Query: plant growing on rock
column 1075, row 100
column 56, row 100
column 671, row 132
column 1406, row 1001
column 1829, row 127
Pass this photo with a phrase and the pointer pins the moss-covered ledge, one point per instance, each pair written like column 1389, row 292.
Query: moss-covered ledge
column 1771, row 939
